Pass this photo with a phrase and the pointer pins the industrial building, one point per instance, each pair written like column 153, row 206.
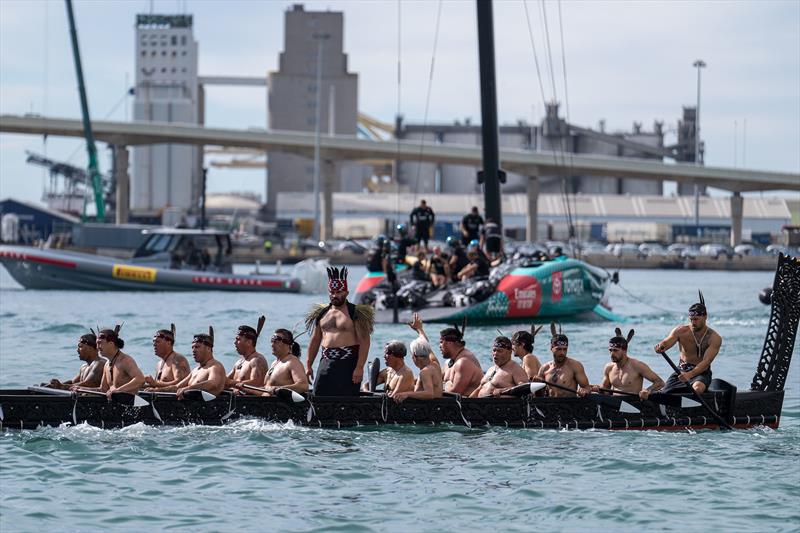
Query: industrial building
column 554, row 135
column 647, row 217
column 166, row 90
column 312, row 40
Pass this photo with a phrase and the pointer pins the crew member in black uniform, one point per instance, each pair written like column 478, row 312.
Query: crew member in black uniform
column 422, row 218
column 403, row 241
column 458, row 257
column 471, row 226
column 375, row 255
column 492, row 238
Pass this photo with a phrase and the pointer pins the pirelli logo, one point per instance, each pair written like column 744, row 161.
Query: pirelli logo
column 133, row 273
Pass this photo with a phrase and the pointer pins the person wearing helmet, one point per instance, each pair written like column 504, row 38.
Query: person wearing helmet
column 458, row 259
column 375, row 255
column 403, row 242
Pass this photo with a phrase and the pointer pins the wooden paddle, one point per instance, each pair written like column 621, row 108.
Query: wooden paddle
column 282, row 393
column 52, row 392
column 722, row 423
column 206, row 396
column 124, row 398
column 615, row 403
column 671, row 400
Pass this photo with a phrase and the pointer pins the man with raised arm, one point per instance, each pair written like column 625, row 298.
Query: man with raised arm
column 416, row 325
column 208, row 376
column 287, row 371
column 251, row 368
column 90, row 373
column 699, row 345
column 172, row 366
column 503, row 375
column 522, row 345
column 343, row 330
column 626, row 374
column 121, row 373
column 563, row 370
column 397, row 377
column 429, row 382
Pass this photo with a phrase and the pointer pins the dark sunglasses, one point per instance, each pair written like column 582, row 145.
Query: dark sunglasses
column 278, row 338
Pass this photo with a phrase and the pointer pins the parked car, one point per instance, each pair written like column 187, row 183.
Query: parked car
column 749, row 250
column 650, row 249
column 717, row 251
column 627, row 250
column 775, row 249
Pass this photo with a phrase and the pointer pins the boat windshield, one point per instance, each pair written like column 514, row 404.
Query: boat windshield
column 157, row 243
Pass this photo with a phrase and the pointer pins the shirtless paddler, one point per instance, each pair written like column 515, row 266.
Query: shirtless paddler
column 251, row 368
column 287, row 371
column 563, row 370
column 172, row 366
column 121, row 373
column 209, row 375
column 699, row 345
column 626, row 374
column 343, row 330
column 504, row 374
column 91, row 371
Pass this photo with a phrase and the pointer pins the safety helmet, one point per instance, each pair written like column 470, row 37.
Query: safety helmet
column 402, row 229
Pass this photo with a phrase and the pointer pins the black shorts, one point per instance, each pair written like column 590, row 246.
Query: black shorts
column 674, row 384
column 422, row 235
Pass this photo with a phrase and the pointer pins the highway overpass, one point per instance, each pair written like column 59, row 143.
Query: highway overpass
column 341, row 148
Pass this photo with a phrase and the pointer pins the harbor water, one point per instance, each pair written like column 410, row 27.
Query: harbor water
column 253, row 475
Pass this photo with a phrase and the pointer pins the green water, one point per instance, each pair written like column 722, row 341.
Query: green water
column 257, row 476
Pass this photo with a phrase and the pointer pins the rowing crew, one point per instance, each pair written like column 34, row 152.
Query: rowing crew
column 564, row 375
column 342, row 330
column 109, row 370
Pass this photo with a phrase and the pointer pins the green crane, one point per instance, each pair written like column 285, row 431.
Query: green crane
column 93, row 169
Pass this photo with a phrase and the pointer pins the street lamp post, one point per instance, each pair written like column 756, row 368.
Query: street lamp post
column 699, row 64
column 319, row 37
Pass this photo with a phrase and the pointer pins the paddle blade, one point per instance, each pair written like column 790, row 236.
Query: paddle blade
column 625, row 407
column 614, row 403
column 138, row 401
column 289, row 395
column 688, row 402
column 536, row 387
column 207, row 396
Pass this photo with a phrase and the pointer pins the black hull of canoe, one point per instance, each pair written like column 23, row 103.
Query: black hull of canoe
column 21, row 409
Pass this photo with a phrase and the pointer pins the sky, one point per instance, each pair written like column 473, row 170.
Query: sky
column 625, row 62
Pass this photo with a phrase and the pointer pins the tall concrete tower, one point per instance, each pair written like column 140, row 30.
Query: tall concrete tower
column 293, row 98
column 165, row 175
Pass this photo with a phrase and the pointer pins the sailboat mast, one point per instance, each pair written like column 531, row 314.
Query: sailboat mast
column 491, row 175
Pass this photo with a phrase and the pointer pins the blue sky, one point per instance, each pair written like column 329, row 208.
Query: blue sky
column 625, row 62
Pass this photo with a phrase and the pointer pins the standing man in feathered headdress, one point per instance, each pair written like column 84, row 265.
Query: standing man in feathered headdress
column 699, row 345
column 343, row 330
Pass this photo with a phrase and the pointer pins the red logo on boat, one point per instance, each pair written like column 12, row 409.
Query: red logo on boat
column 524, row 295
column 558, row 285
